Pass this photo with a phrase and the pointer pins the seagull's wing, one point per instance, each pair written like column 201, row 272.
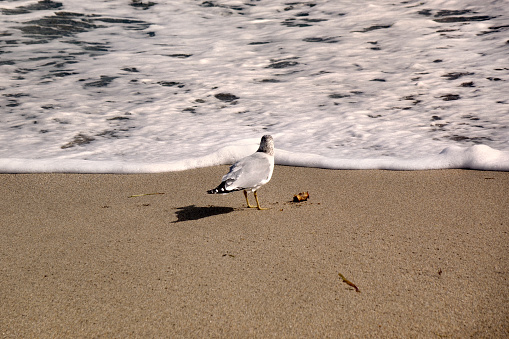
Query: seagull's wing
column 249, row 173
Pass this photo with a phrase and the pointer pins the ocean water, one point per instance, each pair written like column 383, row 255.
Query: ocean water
column 128, row 86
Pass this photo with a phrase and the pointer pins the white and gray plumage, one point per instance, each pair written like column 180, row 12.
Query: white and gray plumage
column 250, row 173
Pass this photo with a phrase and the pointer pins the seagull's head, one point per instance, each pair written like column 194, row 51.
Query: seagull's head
column 267, row 145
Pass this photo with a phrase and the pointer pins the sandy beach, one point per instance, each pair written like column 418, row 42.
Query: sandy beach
column 100, row 256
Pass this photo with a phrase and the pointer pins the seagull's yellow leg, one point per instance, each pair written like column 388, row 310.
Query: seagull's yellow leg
column 247, row 201
column 257, row 203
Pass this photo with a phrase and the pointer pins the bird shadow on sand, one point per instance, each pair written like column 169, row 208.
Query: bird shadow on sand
column 193, row 212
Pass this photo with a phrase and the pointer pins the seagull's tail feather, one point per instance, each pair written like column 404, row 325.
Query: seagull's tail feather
column 221, row 189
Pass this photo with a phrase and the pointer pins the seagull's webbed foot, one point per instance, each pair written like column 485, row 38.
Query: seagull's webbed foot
column 257, row 203
column 247, row 201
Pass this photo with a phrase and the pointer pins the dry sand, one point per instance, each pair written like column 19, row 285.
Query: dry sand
column 429, row 251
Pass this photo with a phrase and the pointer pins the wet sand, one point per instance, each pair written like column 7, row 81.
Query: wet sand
column 428, row 251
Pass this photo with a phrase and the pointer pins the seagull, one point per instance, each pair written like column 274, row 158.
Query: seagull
column 250, row 173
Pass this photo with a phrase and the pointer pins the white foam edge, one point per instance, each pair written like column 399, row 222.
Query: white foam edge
column 477, row 157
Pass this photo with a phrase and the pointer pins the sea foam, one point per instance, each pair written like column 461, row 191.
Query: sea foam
column 478, row 157
column 124, row 87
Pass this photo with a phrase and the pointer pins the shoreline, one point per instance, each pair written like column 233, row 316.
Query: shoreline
column 428, row 250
